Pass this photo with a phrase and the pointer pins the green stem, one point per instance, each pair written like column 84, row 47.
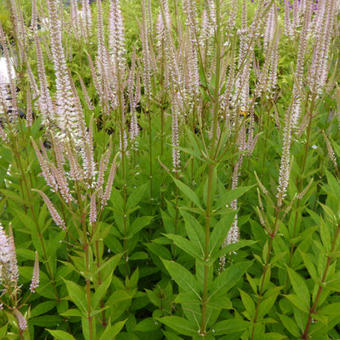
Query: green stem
column 300, row 179
column 150, row 152
column 163, row 98
column 265, row 270
column 176, row 215
column 206, row 251
column 266, row 129
column 98, row 263
column 211, row 170
column 88, row 288
column 123, row 165
column 86, row 245
column 305, row 334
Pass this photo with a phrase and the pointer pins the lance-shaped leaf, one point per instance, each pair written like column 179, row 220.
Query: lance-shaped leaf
column 220, row 232
column 230, row 326
column 232, row 195
column 76, row 295
column 300, row 288
column 111, row 331
column 194, row 229
column 60, row 335
column 189, row 193
column 180, row 325
column 188, row 246
column 230, row 248
column 182, row 276
column 228, row 279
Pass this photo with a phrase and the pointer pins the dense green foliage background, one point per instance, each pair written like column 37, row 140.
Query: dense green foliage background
column 148, row 267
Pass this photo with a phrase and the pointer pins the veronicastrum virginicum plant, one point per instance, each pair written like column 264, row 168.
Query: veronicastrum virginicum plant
column 12, row 300
column 204, row 295
column 130, row 159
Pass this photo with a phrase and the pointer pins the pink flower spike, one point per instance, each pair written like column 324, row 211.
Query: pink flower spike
column 22, row 323
column 13, row 258
column 36, row 274
column 109, row 184
column 54, row 214
column 93, row 209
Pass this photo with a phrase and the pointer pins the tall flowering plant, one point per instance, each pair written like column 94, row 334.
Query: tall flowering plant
column 174, row 166
column 13, row 299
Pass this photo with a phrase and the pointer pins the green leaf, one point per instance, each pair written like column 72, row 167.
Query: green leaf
column 71, row 312
column 300, row 287
column 25, row 219
column 102, row 230
column 45, row 288
column 332, row 309
column 54, row 244
column 136, row 196
column 112, row 331
column 168, row 222
column 119, row 301
column 138, row 224
column 188, row 246
column 101, row 291
column 179, row 324
column 248, row 304
column 228, row 278
column 274, row 336
column 335, row 145
column 252, row 283
column 188, row 192
column 117, row 201
column 232, row 195
column 109, row 266
column 193, row 229
column 147, row 325
column 77, row 295
column 4, row 331
column 42, row 308
column 309, row 265
column 188, row 297
column 230, row 326
column 139, row 255
column 153, row 297
column 330, row 214
column 85, row 327
column 220, row 302
column 265, row 251
column 61, row 335
column 220, row 232
column 333, row 184
column 333, row 285
column 189, row 152
column 171, row 336
column 290, row 325
column 297, row 302
column 325, row 235
column 159, row 250
column 46, row 321
column 233, row 247
column 182, row 276
column 317, row 219
column 14, row 197
column 268, row 302
column 26, row 254
column 194, row 143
